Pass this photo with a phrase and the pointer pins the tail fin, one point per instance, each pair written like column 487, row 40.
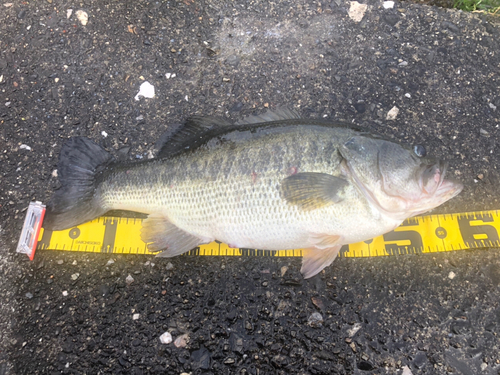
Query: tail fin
column 75, row 201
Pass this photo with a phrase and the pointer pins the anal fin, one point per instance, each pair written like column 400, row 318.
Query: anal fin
column 160, row 234
column 321, row 254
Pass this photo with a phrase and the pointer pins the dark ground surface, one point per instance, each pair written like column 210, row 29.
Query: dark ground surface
column 60, row 79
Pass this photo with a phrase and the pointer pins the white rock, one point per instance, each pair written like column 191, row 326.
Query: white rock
column 393, row 113
column 65, row 293
column 75, row 276
column 69, row 12
column 168, row 75
column 136, row 316
column 451, row 275
column 82, row 16
column 110, row 262
column 25, row 147
column 351, row 332
column 54, row 173
column 408, row 95
column 357, row 11
column 146, row 90
column 166, row 338
column 104, row 134
column 388, row 4
column 406, row 371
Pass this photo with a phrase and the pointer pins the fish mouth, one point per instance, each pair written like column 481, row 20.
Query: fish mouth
column 432, row 190
column 433, row 183
column 435, row 188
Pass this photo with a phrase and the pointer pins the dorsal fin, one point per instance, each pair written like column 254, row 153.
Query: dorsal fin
column 278, row 114
column 197, row 130
column 184, row 137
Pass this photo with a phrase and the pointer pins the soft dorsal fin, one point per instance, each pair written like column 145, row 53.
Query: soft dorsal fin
column 182, row 138
column 279, row 114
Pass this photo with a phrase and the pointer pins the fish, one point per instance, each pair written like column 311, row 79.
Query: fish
column 272, row 181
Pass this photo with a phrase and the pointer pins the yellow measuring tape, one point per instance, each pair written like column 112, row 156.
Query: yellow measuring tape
column 422, row 234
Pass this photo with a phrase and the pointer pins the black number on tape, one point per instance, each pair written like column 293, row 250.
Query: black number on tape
column 416, row 244
column 472, row 234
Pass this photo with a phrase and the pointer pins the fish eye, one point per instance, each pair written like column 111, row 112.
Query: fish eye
column 419, row 150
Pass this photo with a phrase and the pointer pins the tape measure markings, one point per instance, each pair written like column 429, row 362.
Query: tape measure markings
column 421, row 234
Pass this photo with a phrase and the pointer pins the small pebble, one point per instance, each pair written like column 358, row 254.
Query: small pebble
column 166, row 338
column 181, row 341
column 146, row 90
column 69, row 12
column 169, row 266
column 25, row 147
column 315, row 319
column 357, row 11
column 351, row 332
column 283, row 270
column 129, row 280
column 136, row 316
column 65, row 293
column 29, row 295
column 393, row 113
column 451, row 275
column 75, row 276
column 82, row 16
column 60, row 261
column 388, row 4
column 110, row 262
column 484, row 133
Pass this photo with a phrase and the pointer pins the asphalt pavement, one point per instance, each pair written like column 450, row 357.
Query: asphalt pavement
column 75, row 68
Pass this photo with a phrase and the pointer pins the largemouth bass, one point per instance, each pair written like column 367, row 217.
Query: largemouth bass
column 270, row 182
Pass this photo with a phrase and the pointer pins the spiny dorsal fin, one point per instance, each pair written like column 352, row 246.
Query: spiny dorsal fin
column 278, row 114
column 182, row 138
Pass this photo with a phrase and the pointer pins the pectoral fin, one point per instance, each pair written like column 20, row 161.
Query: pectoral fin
column 311, row 190
column 315, row 260
column 160, row 234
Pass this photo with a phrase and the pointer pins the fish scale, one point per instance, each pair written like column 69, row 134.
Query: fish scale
column 285, row 184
